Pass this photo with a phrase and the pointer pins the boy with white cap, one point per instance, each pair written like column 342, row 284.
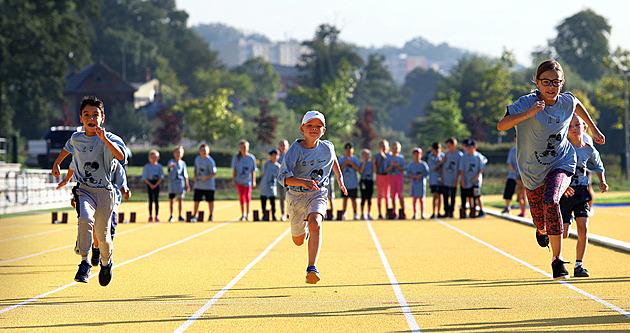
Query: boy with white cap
column 304, row 171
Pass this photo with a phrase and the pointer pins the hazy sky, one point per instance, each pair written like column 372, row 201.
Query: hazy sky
column 482, row 26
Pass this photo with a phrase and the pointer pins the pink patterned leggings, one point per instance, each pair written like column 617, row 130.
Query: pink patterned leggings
column 544, row 201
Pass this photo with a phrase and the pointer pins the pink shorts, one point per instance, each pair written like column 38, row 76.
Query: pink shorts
column 244, row 193
column 382, row 188
column 397, row 184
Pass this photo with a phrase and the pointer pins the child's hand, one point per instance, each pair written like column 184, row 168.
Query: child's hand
column 55, row 170
column 603, row 187
column 72, row 203
column 598, row 136
column 537, row 107
column 100, row 132
column 311, row 184
column 127, row 194
column 570, row 192
column 64, row 183
column 342, row 187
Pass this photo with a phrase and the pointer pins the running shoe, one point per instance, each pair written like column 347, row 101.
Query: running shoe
column 580, row 271
column 96, row 256
column 150, row 218
column 157, row 218
column 505, row 211
column 543, row 240
column 105, row 275
column 83, row 274
column 356, row 217
column 171, row 219
column 193, row 219
column 481, row 214
column 370, row 216
column 210, row 219
column 312, row 275
column 181, row 218
column 559, row 271
column 522, row 214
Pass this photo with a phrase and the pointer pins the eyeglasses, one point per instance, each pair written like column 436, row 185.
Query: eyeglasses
column 579, row 125
column 547, row 82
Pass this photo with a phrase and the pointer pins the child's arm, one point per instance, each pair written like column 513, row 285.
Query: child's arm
column 602, row 182
column 55, row 168
column 116, row 150
column 460, row 173
column 477, row 176
column 598, row 137
column 337, row 171
column 187, row 184
column 512, row 120
column 65, row 181
column 296, row 181
column 254, row 178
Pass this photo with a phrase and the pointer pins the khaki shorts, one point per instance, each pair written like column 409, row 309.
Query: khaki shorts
column 301, row 204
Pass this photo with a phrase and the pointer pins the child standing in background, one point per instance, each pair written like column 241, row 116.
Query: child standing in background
column 177, row 181
column 578, row 197
column 349, row 165
column 366, row 184
column 382, row 180
column 283, row 145
column 417, row 171
column 450, row 173
column 205, row 170
column 435, row 177
column 244, row 177
column 153, row 175
column 269, row 183
column 396, row 174
column 471, row 172
column 546, row 159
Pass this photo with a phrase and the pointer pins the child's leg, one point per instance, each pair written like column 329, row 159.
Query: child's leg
column 180, row 205
column 354, row 205
column 150, row 193
column 195, row 208
column 421, row 199
column 582, row 229
column 210, row 209
column 315, row 237
column 170, row 205
column 480, row 201
column 556, row 183
column 413, row 203
column 102, row 223
column 263, row 202
column 344, row 204
column 272, row 202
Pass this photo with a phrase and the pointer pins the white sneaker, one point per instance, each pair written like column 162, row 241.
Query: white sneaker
column 171, row 219
column 193, row 220
column 283, row 218
column 242, row 218
column 414, row 217
column 370, row 216
column 356, row 217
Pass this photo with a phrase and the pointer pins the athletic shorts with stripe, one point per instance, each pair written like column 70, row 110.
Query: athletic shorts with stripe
column 301, row 204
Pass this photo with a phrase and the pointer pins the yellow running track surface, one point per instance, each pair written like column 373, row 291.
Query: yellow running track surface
column 441, row 275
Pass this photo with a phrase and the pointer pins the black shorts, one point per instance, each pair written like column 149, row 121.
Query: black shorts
column 577, row 204
column 176, row 195
column 199, row 194
column 436, row 188
column 473, row 192
column 351, row 193
column 510, row 186
column 367, row 189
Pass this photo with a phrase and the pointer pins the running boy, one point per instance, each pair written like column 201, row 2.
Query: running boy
column 269, row 183
column 349, row 165
column 417, row 171
column 435, row 177
column 153, row 175
column 366, row 183
column 578, row 197
column 545, row 158
column 205, row 170
column 305, row 172
column 93, row 151
column 177, row 181
column 471, row 172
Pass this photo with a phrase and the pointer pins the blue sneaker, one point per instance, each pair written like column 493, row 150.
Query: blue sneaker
column 83, row 274
column 105, row 275
column 312, row 275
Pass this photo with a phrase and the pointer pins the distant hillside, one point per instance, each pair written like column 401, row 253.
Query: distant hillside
column 442, row 53
column 218, row 32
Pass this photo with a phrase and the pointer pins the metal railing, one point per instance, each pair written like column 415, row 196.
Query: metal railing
column 30, row 189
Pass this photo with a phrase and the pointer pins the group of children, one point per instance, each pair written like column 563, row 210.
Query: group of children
column 551, row 156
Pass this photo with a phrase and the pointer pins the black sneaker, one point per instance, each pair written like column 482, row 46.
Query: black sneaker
column 543, row 240
column 559, row 271
column 580, row 271
column 312, row 275
column 96, row 256
column 105, row 275
column 83, row 274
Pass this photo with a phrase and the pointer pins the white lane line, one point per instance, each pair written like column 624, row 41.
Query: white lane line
column 115, row 266
column 411, row 321
column 566, row 284
column 228, row 286
column 70, row 246
column 37, row 234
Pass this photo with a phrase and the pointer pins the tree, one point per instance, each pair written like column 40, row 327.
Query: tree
column 443, row 120
column 209, row 118
column 265, row 80
column 38, row 40
column 266, row 124
column 365, row 128
column 332, row 99
column 421, row 85
column 171, row 132
column 326, row 55
column 582, row 43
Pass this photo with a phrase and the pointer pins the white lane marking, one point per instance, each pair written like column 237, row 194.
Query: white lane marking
column 37, row 234
column 566, row 284
column 228, row 286
column 70, row 246
column 115, row 266
column 411, row 321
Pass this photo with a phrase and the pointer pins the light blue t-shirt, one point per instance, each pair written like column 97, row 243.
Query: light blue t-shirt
column 269, row 179
column 450, row 167
column 244, row 166
column 177, row 176
column 435, row 176
column 417, row 187
column 470, row 165
column 205, row 167
column 349, row 173
column 92, row 159
column 153, row 173
column 587, row 158
column 368, row 170
column 542, row 143
column 511, row 160
column 315, row 164
column 400, row 160
column 380, row 163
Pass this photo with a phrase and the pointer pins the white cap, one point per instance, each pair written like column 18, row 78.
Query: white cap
column 310, row 115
